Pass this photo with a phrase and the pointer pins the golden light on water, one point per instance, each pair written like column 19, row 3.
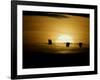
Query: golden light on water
column 64, row 38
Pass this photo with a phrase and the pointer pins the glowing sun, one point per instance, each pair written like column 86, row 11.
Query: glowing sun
column 64, row 39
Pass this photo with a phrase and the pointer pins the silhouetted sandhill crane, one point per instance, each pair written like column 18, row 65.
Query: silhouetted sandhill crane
column 67, row 44
column 49, row 42
column 80, row 44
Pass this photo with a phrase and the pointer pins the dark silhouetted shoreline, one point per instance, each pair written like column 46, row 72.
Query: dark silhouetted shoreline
column 36, row 57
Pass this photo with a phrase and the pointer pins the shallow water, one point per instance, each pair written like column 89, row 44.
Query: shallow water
column 56, row 48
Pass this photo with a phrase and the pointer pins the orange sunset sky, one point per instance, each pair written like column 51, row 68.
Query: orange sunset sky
column 40, row 28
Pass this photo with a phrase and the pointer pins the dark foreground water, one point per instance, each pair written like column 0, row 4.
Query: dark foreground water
column 44, row 55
